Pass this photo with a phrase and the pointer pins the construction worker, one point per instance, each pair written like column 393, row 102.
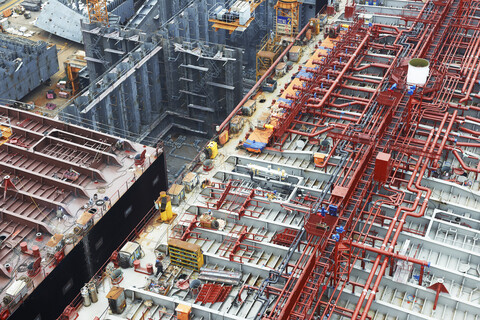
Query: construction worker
column 159, row 265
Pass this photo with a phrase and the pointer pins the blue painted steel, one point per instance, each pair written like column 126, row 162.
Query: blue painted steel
column 24, row 65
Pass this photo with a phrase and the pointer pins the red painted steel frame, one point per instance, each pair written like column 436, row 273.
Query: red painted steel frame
column 434, row 106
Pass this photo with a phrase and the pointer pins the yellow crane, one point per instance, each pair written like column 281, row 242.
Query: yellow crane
column 97, row 11
column 287, row 18
column 286, row 29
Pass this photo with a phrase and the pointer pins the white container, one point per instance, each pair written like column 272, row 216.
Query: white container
column 16, row 291
column 86, row 297
column 243, row 13
column 418, row 71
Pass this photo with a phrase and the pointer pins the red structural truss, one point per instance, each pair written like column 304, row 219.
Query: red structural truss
column 285, row 238
column 387, row 134
column 212, row 293
column 238, row 200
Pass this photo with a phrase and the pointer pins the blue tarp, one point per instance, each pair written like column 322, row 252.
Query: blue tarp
column 286, row 101
column 304, row 73
column 255, row 145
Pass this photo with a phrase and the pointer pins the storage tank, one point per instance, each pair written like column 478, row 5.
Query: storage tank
column 418, row 71
column 92, row 289
column 86, row 297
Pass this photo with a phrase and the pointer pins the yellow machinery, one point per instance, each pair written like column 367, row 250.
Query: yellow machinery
column 286, row 29
column 211, row 150
column 73, row 65
column 267, row 55
column 6, row 134
column 116, row 300
column 185, row 254
column 209, row 221
column 287, row 18
column 235, row 15
column 318, row 158
column 164, row 205
column 176, row 193
column 206, row 183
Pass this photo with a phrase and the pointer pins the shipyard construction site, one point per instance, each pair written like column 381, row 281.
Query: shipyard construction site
column 290, row 160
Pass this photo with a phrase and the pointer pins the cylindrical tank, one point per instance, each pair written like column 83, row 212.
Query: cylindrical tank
column 92, row 289
column 418, row 71
column 86, row 297
column 150, row 268
column 36, row 251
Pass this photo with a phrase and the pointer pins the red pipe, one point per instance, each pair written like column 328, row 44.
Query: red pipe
column 445, row 137
column 470, row 131
column 473, row 118
column 389, row 254
column 360, row 79
column 311, row 136
column 409, row 211
column 468, row 53
column 347, row 104
column 471, row 66
column 386, row 26
column 470, row 88
column 471, row 49
column 372, row 274
column 468, row 144
column 347, row 66
column 377, row 65
column 462, row 163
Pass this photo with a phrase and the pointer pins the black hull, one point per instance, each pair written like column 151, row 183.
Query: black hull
column 50, row 298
